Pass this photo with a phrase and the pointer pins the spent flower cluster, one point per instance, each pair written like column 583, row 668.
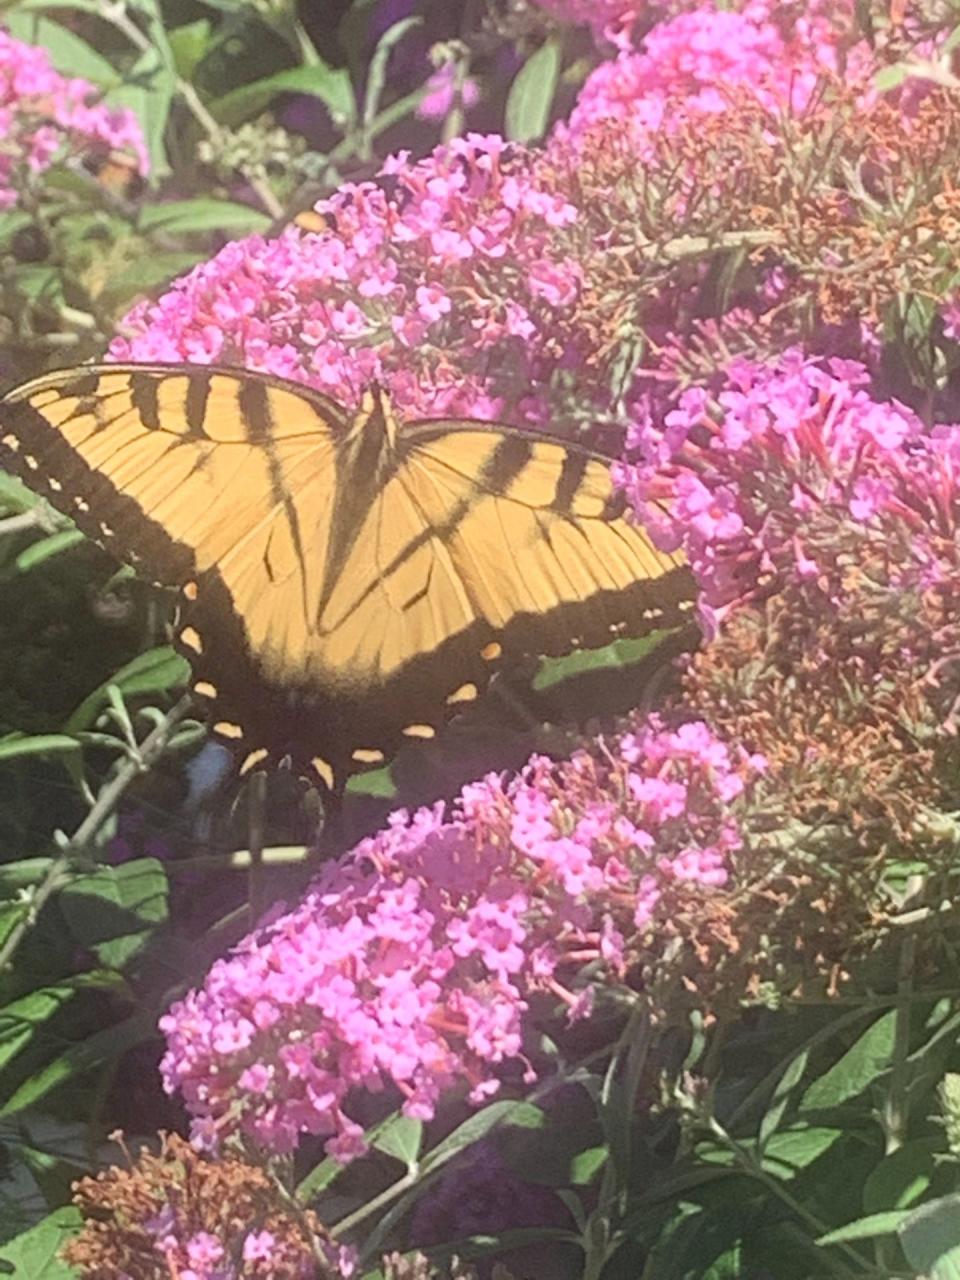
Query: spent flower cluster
column 44, row 116
column 175, row 1213
column 412, row 961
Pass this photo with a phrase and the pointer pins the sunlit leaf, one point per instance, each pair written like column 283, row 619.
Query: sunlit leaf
column 531, row 94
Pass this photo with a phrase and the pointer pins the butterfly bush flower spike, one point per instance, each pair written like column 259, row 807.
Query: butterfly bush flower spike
column 411, row 962
column 452, row 254
column 761, row 480
column 44, row 115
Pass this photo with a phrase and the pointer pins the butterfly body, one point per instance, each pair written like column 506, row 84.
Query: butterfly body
column 347, row 583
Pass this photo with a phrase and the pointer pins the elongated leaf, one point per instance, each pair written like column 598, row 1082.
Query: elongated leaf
column 862, row 1064
column 787, row 1087
column 181, row 217
column 619, row 654
column 14, row 494
column 377, row 70
column 531, row 94
column 21, row 1019
column 585, row 1165
column 867, row 1228
column 11, row 222
column 45, row 549
column 149, row 94
column 69, row 54
column 13, row 746
column 523, row 1115
column 11, row 916
column 147, row 274
column 791, row 1150
column 93, row 1054
column 156, row 671
column 115, row 909
column 16, row 876
column 331, row 85
column 902, row 1177
column 189, row 44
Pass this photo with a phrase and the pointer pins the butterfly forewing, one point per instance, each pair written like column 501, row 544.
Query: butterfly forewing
column 331, row 608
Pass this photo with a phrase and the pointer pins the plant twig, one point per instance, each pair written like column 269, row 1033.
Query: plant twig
column 118, row 16
column 58, row 873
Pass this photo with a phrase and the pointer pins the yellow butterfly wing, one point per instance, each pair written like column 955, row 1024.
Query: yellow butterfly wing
column 344, row 584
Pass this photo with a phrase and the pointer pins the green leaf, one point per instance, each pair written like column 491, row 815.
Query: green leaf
column 791, row 1150
column 156, row 671
column 13, row 746
column 378, row 782
column 114, row 910
column 901, row 1178
column 21, row 1019
column 20, row 875
column 183, row 217
column 150, row 272
column 15, row 497
column 783, row 1094
column 35, row 1254
column 860, row 1066
column 331, row 85
column 70, row 55
column 94, row 1054
column 12, row 221
column 149, row 94
column 522, row 1115
column 620, row 653
column 531, row 94
column 39, row 283
column 891, row 77
column 189, row 45
column 875, row 1224
column 45, row 549
column 329, row 1169
column 930, row 1238
column 402, row 1139
column 11, row 915
column 585, row 1165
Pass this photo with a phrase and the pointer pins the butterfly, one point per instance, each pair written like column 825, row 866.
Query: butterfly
column 346, row 583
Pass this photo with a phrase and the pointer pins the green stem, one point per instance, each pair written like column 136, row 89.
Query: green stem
column 894, row 1114
column 62, row 867
column 390, row 1193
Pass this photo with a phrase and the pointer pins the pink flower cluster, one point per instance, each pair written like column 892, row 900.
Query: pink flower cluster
column 698, row 62
column 440, row 282
column 756, row 478
column 411, row 961
column 43, row 114
column 610, row 20
column 441, row 93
